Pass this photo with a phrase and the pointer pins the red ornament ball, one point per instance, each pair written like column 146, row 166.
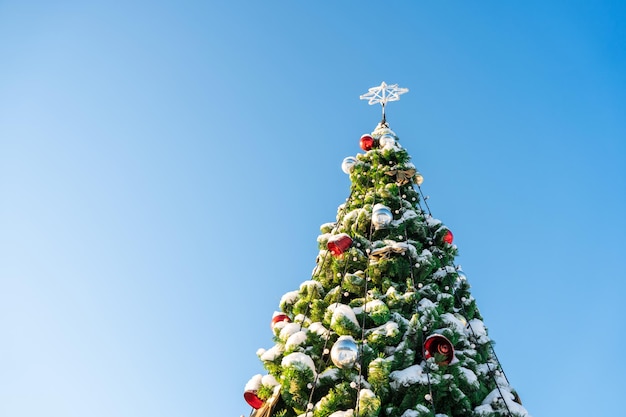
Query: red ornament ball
column 366, row 142
column 448, row 237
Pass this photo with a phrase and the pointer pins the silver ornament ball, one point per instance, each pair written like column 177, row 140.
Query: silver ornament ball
column 347, row 164
column 381, row 216
column 386, row 140
column 344, row 352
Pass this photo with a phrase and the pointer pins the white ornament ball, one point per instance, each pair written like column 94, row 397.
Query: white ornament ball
column 344, row 352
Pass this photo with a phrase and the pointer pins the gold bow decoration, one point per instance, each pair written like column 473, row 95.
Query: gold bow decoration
column 403, row 176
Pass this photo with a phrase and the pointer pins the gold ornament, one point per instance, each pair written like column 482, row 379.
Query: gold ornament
column 418, row 179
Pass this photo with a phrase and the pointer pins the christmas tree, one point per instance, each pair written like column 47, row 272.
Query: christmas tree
column 386, row 325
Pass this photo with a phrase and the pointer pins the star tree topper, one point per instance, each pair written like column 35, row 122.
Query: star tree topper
column 383, row 94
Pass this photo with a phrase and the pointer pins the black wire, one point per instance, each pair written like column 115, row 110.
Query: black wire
column 498, row 366
column 328, row 332
column 424, row 199
column 365, row 289
column 430, row 389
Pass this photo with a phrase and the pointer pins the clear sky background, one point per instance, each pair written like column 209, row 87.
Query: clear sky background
column 165, row 167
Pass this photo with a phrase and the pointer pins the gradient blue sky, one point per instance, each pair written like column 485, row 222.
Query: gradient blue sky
column 165, row 167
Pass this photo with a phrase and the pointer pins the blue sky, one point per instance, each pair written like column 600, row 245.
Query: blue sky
column 165, row 168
